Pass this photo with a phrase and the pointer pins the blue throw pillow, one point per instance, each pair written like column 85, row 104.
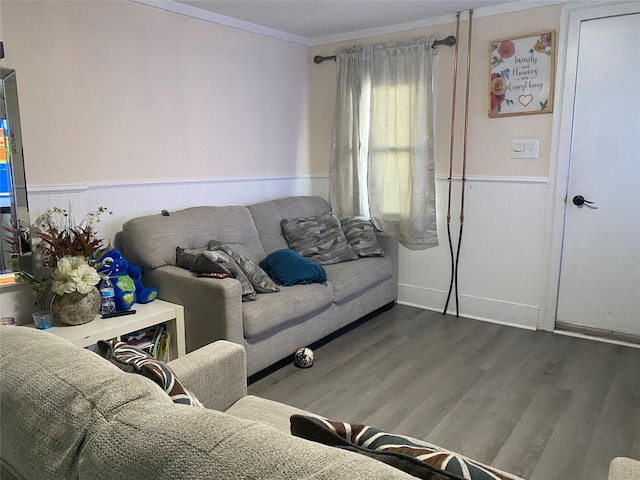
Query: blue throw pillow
column 287, row 267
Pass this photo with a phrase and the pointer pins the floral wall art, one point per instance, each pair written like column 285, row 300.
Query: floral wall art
column 521, row 74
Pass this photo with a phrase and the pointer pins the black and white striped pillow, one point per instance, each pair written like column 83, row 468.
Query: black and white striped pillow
column 418, row 458
column 134, row 360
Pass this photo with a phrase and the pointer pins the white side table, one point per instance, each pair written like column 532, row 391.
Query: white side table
column 147, row 315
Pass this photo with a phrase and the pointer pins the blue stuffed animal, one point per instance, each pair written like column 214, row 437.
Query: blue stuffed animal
column 126, row 279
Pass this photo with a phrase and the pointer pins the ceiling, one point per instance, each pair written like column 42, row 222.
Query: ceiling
column 321, row 21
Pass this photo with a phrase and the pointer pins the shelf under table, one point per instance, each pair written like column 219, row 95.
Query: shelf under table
column 147, row 315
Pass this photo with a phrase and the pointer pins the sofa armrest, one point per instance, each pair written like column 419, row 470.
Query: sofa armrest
column 623, row 468
column 216, row 374
column 212, row 306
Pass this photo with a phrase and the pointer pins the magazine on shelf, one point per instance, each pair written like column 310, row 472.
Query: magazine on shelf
column 154, row 340
column 161, row 352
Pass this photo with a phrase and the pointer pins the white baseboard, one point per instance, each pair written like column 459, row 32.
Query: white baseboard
column 485, row 309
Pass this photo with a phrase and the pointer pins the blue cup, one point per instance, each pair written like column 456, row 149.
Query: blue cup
column 43, row 319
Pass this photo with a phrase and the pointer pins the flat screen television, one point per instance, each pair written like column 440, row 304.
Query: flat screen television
column 5, row 152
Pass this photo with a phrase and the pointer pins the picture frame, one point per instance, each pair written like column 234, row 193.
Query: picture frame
column 521, row 74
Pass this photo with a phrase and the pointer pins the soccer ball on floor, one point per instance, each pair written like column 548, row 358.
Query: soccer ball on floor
column 303, row 357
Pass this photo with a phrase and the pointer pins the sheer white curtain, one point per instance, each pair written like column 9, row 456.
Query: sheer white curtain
column 386, row 88
column 348, row 163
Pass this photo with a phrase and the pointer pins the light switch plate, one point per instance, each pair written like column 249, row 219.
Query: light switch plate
column 525, row 148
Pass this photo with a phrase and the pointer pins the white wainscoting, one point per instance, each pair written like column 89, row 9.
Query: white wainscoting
column 500, row 274
column 500, row 271
column 129, row 199
column 132, row 199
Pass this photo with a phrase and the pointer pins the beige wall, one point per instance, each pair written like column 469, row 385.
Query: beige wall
column 489, row 139
column 116, row 90
column 113, row 94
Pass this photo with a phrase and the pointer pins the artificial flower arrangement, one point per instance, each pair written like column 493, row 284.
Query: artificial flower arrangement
column 74, row 274
column 71, row 249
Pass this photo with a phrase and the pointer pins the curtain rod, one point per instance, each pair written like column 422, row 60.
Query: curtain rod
column 450, row 41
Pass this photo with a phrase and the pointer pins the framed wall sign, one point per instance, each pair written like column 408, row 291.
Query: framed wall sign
column 521, row 74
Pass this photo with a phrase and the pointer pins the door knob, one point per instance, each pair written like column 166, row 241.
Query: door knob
column 579, row 200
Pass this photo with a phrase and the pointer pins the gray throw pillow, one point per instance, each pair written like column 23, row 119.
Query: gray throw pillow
column 319, row 238
column 259, row 279
column 203, row 261
column 186, row 256
column 208, row 262
column 213, row 260
column 361, row 235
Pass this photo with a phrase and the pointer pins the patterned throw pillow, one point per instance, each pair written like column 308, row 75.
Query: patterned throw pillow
column 133, row 360
column 412, row 456
column 219, row 261
column 259, row 279
column 210, row 260
column 186, row 256
column 361, row 235
column 201, row 261
column 319, row 238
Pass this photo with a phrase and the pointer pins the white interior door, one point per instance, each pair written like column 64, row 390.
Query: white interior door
column 599, row 286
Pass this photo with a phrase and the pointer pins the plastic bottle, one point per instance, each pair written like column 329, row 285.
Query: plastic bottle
column 107, row 296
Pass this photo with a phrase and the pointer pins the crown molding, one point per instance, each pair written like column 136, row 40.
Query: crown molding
column 212, row 17
column 500, row 9
column 187, row 10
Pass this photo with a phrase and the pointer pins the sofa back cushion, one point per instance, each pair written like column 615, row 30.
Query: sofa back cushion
column 53, row 395
column 194, row 443
column 151, row 241
column 267, row 217
column 68, row 413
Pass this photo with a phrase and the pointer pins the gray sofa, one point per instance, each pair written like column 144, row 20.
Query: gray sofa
column 276, row 324
column 69, row 414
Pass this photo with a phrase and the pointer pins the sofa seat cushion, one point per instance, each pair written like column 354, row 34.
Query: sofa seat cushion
column 290, row 303
column 352, row 278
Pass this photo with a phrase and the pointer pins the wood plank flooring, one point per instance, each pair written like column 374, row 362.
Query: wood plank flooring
column 540, row 405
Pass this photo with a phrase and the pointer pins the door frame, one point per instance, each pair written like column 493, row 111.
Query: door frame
column 566, row 71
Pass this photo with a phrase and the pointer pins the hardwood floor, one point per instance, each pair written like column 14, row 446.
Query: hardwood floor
column 540, row 405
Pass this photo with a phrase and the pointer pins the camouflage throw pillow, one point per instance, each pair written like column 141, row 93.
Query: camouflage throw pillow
column 319, row 238
column 361, row 235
